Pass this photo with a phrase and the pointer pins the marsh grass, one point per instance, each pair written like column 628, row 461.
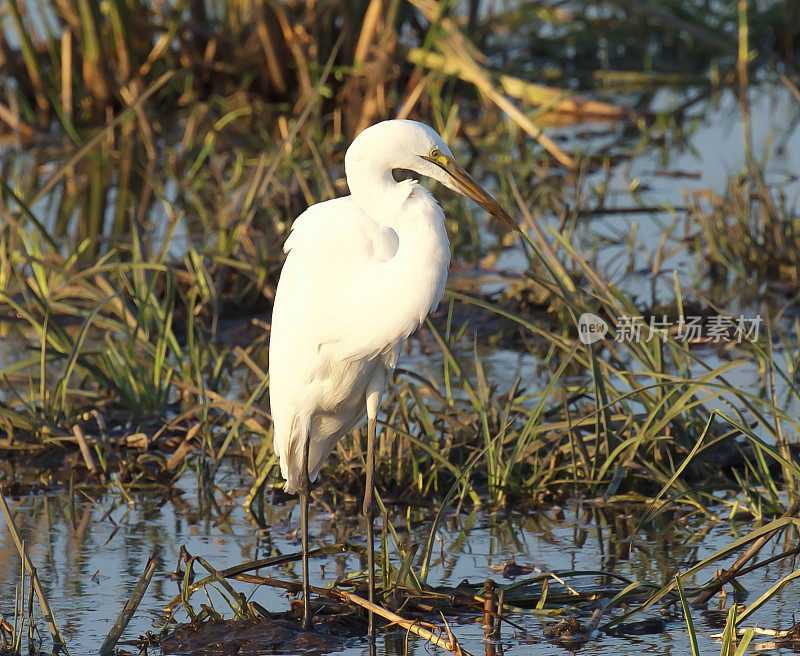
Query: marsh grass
column 134, row 293
column 76, row 63
column 761, row 232
column 138, row 274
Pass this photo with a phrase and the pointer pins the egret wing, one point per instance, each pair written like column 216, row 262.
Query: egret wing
column 315, row 315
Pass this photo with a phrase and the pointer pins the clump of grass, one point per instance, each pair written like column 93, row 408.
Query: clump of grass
column 749, row 233
column 115, row 343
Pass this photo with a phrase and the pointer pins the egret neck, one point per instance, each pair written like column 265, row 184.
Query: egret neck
column 375, row 190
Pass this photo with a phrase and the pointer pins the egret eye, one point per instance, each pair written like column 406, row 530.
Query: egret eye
column 435, row 153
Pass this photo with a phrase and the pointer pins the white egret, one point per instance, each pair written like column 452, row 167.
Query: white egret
column 361, row 274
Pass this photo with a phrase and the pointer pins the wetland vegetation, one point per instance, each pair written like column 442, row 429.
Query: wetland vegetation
column 153, row 157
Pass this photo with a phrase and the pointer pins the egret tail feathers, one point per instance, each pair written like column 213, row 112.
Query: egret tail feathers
column 290, row 453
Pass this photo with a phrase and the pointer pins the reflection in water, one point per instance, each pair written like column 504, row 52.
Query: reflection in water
column 90, row 549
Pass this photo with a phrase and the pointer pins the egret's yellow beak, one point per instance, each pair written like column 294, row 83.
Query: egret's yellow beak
column 465, row 184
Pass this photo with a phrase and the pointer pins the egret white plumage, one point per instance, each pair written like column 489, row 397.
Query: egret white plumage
column 361, row 274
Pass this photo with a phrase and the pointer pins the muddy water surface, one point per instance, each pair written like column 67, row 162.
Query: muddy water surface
column 89, row 554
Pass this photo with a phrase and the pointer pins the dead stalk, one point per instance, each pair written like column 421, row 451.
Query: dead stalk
column 450, row 644
column 49, row 617
column 726, row 576
column 130, row 607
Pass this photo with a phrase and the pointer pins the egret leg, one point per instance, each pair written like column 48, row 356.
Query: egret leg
column 305, row 488
column 369, row 491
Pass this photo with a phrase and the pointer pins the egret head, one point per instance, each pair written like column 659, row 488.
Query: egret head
column 405, row 144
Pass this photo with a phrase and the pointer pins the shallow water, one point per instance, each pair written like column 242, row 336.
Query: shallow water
column 704, row 154
column 89, row 555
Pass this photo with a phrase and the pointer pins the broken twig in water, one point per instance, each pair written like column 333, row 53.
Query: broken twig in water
column 55, row 632
column 130, row 607
column 450, row 643
column 726, row 576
